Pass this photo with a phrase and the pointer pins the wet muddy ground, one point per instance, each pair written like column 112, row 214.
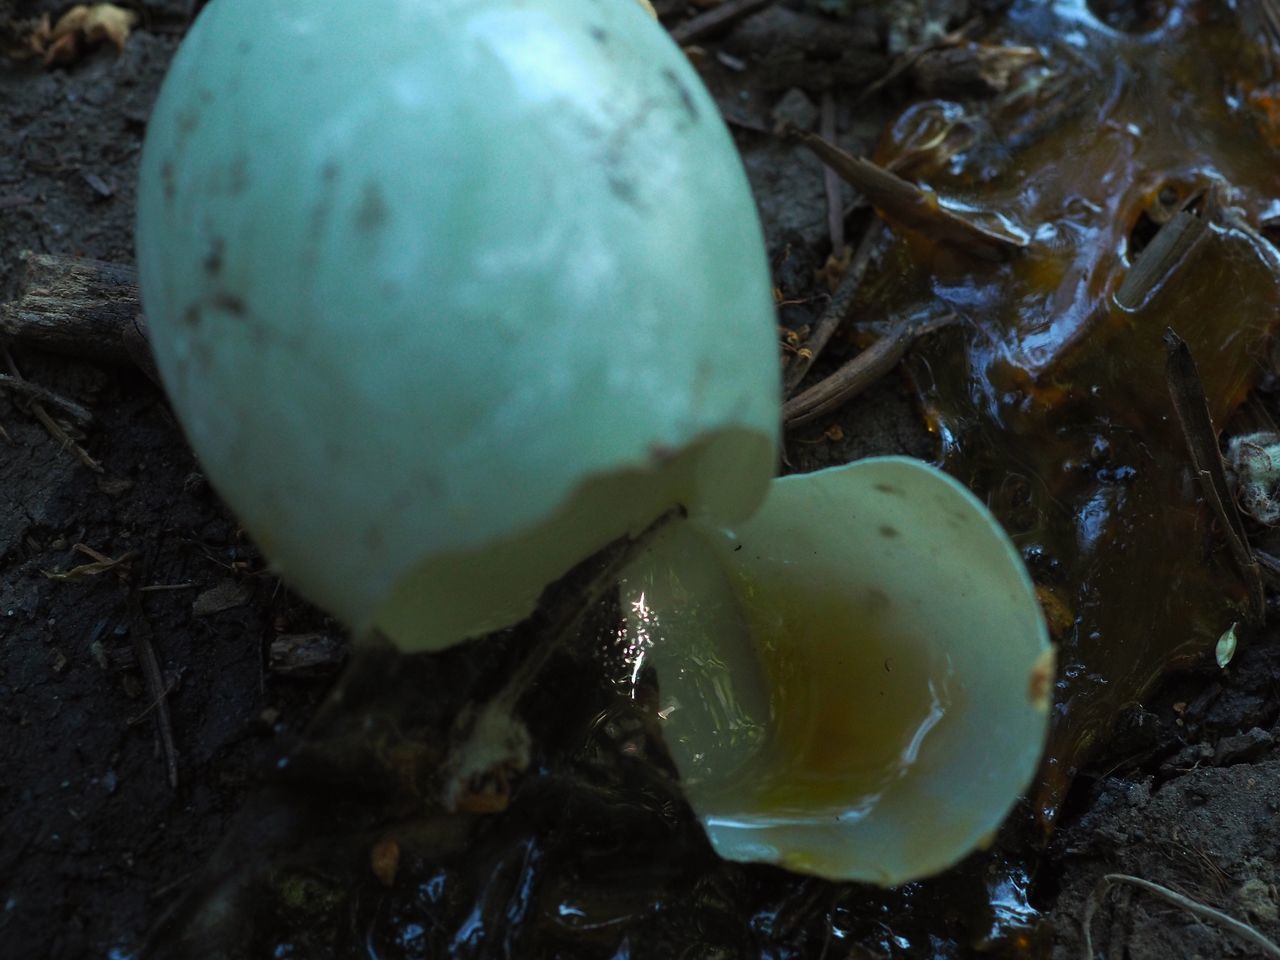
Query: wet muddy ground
column 142, row 707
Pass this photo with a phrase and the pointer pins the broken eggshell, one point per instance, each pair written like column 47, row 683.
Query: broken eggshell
column 449, row 294
column 854, row 683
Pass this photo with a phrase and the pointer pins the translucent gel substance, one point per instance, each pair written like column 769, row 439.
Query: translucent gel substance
column 1050, row 399
column 853, row 697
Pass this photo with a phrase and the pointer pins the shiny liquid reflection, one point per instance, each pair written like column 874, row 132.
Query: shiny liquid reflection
column 1050, row 398
column 852, row 702
column 781, row 702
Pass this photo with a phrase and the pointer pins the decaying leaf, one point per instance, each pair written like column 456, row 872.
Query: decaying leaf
column 226, row 595
column 79, row 30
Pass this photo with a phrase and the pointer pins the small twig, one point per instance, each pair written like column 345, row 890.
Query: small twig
column 37, row 392
column 860, row 372
column 830, row 182
column 910, row 57
column 93, row 554
column 717, row 18
column 1271, row 14
column 1242, row 930
column 1232, row 217
column 835, row 314
column 1269, row 565
column 172, row 885
column 490, row 744
column 904, row 62
column 902, row 202
column 1192, row 409
column 139, row 717
column 64, row 438
column 158, row 691
column 563, row 603
column 101, row 564
column 1269, row 34
column 55, row 429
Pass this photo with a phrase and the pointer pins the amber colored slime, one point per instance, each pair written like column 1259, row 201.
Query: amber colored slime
column 852, row 705
column 1049, row 399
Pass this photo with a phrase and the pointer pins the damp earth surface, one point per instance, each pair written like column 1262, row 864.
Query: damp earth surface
column 298, row 821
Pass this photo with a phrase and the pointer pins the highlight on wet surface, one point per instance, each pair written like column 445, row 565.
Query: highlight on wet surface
column 1146, row 190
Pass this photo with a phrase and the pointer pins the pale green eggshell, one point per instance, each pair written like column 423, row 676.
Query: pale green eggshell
column 854, row 682
column 450, row 293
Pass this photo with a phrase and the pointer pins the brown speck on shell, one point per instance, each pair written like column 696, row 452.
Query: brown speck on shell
column 1040, row 684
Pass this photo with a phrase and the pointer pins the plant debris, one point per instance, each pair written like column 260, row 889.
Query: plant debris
column 226, row 595
column 595, row 854
column 1051, row 400
column 101, row 564
column 79, row 30
column 306, row 654
column 1242, row 930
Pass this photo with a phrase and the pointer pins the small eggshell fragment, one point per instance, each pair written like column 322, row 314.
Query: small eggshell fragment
column 449, row 294
column 843, row 678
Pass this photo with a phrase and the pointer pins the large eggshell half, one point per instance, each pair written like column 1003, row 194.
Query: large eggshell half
column 854, row 682
column 448, row 294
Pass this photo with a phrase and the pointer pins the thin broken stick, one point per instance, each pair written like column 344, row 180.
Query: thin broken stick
column 909, row 58
column 904, row 204
column 560, row 609
column 36, row 392
column 716, row 19
column 55, row 429
column 861, row 372
column 101, row 564
column 1270, row 567
column 830, row 181
column 835, row 314
column 157, row 690
column 1192, row 409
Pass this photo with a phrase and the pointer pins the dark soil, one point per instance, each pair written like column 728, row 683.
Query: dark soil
column 95, row 841
column 98, row 844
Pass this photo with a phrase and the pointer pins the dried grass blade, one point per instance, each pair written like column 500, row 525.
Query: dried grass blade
column 100, row 565
column 1167, row 251
column 1204, row 911
column 1192, row 409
